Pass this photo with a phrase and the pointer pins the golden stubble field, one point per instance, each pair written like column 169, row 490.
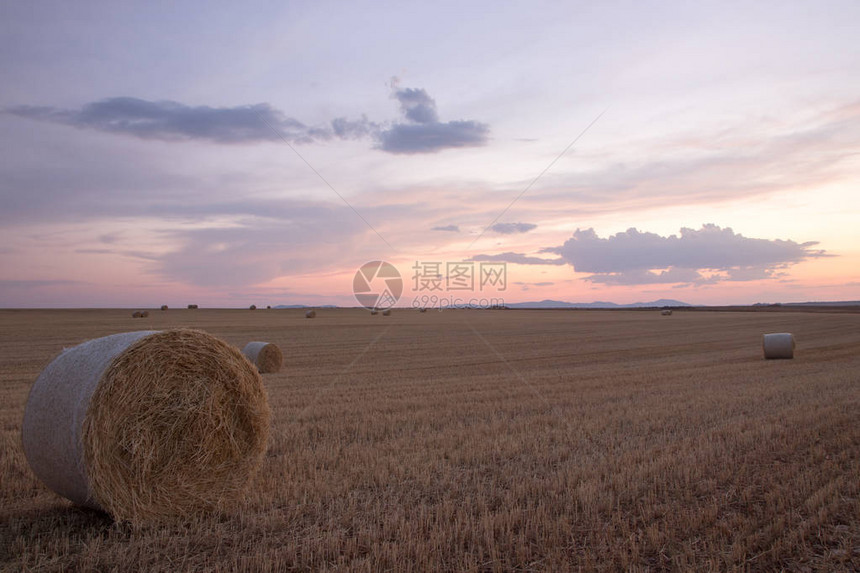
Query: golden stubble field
column 492, row 441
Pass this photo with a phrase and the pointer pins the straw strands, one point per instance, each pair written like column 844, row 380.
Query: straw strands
column 148, row 425
column 267, row 357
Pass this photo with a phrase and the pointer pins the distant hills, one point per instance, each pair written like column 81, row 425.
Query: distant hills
column 830, row 303
column 597, row 304
column 660, row 303
column 306, row 306
column 546, row 304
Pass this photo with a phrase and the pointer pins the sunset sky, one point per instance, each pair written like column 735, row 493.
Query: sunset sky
column 228, row 155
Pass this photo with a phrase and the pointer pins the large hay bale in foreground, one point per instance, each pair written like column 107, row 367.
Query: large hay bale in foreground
column 148, row 425
column 311, row 314
column 267, row 357
column 778, row 345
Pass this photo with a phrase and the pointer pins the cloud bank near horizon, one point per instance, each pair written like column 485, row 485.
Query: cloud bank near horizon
column 694, row 257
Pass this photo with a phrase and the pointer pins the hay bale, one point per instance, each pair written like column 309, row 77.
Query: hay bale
column 386, row 312
column 778, row 345
column 373, row 312
column 144, row 314
column 311, row 314
column 192, row 306
column 253, row 307
column 268, row 307
column 267, row 357
column 422, row 309
column 148, row 425
column 163, row 307
column 666, row 312
column 136, row 314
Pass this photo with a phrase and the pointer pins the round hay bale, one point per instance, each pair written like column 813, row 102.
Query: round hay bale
column 192, row 306
column 148, row 425
column 267, row 357
column 422, row 309
column 778, row 345
column 311, row 314
column 253, row 307
column 144, row 314
column 666, row 312
column 136, row 314
column 373, row 312
column 163, row 307
column 386, row 312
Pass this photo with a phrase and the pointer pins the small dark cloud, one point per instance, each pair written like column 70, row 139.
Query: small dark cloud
column 423, row 132
column 451, row 228
column 696, row 256
column 174, row 121
column 432, row 137
column 540, row 284
column 344, row 128
column 518, row 258
column 511, row 228
column 416, row 105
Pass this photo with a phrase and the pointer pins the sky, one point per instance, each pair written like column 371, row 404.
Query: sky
column 229, row 155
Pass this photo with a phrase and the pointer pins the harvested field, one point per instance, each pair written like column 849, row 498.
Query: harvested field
column 492, row 441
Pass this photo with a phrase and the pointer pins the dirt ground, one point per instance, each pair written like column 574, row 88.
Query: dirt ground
column 491, row 441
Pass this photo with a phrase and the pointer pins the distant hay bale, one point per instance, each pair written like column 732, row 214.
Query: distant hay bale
column 311, row 314
column 386, row 312
column 163, row 307
column 148, row 425
column 253, row 307
column 268, row 307
column 192, row 306
column 422, row 309
column 267, row 357
column 666, row 312
column 136, row 314
column 373, row 311
column 778, row 345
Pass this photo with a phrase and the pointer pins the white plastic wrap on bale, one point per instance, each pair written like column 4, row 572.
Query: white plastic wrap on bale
column 55, row 411
column 778, row 345
column 267, row 357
